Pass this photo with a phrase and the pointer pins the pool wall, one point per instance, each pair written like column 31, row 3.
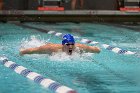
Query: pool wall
column 69, row 16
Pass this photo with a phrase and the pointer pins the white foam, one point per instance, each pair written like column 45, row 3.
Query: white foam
column 63, row 57
column 3, row 58
column 34, row 41
column 59, row 56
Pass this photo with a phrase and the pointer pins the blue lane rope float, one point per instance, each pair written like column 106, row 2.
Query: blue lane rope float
column 87, row 41
column 118, row 50
column 37, row 78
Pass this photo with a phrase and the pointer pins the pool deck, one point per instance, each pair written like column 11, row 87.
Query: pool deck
column 70, row 16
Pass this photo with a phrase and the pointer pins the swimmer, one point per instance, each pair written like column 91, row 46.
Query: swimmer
column 68, row 46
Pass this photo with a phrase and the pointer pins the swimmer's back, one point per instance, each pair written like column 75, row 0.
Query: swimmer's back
column 51, row 47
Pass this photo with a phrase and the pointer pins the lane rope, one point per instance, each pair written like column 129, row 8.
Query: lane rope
column 23, row 60
column 87, row 41
column 37, row 78
column 114, row 49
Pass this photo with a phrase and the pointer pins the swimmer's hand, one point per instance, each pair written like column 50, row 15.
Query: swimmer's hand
column 21, row 52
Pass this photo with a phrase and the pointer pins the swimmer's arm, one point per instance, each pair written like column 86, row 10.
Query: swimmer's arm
column 37, row 50
column 29, row 51
column 92, row 49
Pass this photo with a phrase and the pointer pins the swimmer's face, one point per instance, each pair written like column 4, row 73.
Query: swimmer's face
column 68, row 48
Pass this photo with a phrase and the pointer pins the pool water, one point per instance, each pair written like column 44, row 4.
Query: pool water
column 106, row 72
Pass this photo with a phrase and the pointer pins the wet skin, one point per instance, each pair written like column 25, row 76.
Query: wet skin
column 69, row 48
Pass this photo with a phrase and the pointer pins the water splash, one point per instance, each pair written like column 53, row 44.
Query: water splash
column 75, row 57
column 33, row 41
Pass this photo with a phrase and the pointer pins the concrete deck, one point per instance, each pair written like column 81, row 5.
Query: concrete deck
column 70, row 16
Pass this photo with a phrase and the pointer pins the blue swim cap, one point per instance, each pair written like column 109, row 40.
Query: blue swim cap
column 68, row 38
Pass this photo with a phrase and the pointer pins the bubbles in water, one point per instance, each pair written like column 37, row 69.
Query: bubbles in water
column 38, row 56
column 75, row 57
column 33, row 41
column 1, row 47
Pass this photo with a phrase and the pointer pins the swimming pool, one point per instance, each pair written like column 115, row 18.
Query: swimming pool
column 107, row 72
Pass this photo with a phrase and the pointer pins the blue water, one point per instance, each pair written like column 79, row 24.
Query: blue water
column 106, row 72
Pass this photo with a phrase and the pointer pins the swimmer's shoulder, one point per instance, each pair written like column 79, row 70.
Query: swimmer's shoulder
column 54, row 45
column 79, row 45
column 51, row 46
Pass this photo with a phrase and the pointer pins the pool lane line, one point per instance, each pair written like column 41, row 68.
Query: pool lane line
column 37, row 78
column 103, row 66
column 85, row 41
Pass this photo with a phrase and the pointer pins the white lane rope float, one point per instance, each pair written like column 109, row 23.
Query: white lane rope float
column 106, row 46
column 37, row 78
column 87, row 41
